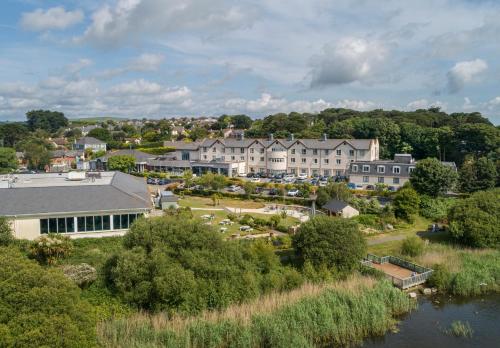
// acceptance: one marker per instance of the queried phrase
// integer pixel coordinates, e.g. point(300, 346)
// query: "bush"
point(406, 202)
point(6, 236)
point(475, 221)
point(433, 178)
point(334, 242)
point(82, 274)
point(40, 307)
point(412, 246)
point(50, 248)
point(435, 209)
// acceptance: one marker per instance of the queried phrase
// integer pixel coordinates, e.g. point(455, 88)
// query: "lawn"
point(235, 228)
point(206, 202)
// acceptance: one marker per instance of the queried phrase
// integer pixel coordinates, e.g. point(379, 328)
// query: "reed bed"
point(312, 315)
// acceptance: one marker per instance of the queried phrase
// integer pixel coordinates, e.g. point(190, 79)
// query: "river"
point(425, 327)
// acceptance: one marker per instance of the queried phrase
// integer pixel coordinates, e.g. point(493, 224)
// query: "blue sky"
point(162, 58)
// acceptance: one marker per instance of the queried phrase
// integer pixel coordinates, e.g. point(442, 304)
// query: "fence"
point(421, 276)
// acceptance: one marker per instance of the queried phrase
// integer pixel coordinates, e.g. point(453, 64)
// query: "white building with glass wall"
point(83, 205)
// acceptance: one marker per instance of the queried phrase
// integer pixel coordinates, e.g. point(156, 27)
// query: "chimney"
point(324, 137)
point(271, 136)
point(292, 137)
point(242, 135)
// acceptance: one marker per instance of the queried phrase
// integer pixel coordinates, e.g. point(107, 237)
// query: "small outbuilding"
point(168, 200)
point(340, 208)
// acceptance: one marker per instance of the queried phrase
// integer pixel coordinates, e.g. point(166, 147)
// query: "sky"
point(165, 58)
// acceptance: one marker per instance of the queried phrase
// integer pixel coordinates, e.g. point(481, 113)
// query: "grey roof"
point(182, 145)
point(124, 192)
point(167, 162)
point(89, 140)
point(65, 153)
point(138, 155)
point(335, 205)
point(389, 165)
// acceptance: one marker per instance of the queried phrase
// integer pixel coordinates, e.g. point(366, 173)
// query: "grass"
point(94, 251)
point(234, 228)
point(206, 202)
point(460, 329)
point(340, 313)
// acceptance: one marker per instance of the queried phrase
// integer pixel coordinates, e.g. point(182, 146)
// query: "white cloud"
point(269, 104)
point(465, 72)
point(130, 19)
point(424, 104)
point(146, 62)
point(349, 60)
point(79, 65)
point(54, 18)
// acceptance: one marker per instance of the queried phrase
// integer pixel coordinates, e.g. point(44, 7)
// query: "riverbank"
point(343, 313)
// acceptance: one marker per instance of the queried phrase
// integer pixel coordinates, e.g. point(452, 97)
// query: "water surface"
point(425, 327)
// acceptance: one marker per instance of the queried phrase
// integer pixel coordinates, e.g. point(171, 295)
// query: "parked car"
point(246, 228)
point(370, 187)
point(351, 185)
point(152, 181)
point(255, 180)
point(392, 188)
point(302, 176)
point(293, 193)
point(234, 188)
point(323, 183)
point(273, 192)
point(301, 180)
point(164, 181)
point(251, 175)
point(288, 176)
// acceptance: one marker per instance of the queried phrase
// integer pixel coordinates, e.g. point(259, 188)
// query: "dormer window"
point(396, 170)
point(366, 168)
point(354, 167)
point(380, 169)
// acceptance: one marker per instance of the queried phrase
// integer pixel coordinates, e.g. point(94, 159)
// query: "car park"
point(293, 193)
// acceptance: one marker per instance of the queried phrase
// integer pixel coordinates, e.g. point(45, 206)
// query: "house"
point(86, 129)
point(76, 204)
point(310, 157)
point(178, 130)
point(65, 160)
point(394, 173)
point(59, 142)
point(91, 143)
point(168, 200)
point(340, 208)
point(136, 141)
point(141, 159)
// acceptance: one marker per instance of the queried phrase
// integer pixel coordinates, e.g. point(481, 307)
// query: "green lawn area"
point(234, 228)
point(206, 202)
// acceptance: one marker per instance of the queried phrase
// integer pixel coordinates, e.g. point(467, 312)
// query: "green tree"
point(122, 163)
point(8, 160)
point(36, 154)
point(334, 242)
point(41, 307)
point(406, 203)
point(432, 177)
point(49, 121)
point(334, 190)
point(198, 133)
point(475, 221)
point(412, 246)
point(12, 133)
point(100, 133)
point(477, 174)
point(187, 176)
point(241, 121)
point(6, 235)
point(249, 187)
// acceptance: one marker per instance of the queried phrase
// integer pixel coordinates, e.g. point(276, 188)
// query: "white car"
point(302, 176)
point(234, 188)
point(246, 228)
point(255, 180)
point(323, 183)
point(293, 193)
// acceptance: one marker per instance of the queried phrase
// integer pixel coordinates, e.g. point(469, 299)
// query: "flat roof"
point(46, 194)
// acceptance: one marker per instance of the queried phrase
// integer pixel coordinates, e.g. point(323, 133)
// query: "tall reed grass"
point(312, 315)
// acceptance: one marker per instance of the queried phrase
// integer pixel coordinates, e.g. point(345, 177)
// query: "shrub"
point(82, 274)
point(232, 216)
point(412, 246)
point(433, 178)
point(50, 248)
point(6, 236)
point(406, 202)
point(334, 242)
point(435, 209)
point(40, 307)
point(475, 221)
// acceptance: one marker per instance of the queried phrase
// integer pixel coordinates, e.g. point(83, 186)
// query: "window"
point(315, 161)
point(304, 151)
point(396, 170)
point(242, 158)
point(67, 224)
point(315, 152)
point(366, 168)
point(106, 222)
point(251, 150)
point(223, 150)
point(351, 153)
point(252, 158)
point(205, 157)
point(124, 220)
point(362, 153)
point(303, 160)
point(395, 180)
point(214, 149)
point(303, 171)
point(232, 158)
point(380, 180)
point(338, 173)
point(242, 150)
point(204, 149)
point(292, 159)
point(326, 160)
point(315, 172)
point(44, 226)
point(365, 179)
point(213, 157)
point(411, 169)
point(70, 224)
point(338, 161)
point(81, 223)
point(262, 150)
point(98, 223)
point(326, 172)
point(339, 152)
point(262, 159)
point(223, 158)
point(380, 169)
point(327, 152)
point(293, 151)
point(185, 156)
point(354, 167)
point(89, 223)
point(116, 222)
point(61, 224)
point(232, 150)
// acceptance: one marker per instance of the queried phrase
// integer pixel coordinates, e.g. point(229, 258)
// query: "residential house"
point(91, 143)
point(339, 208)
